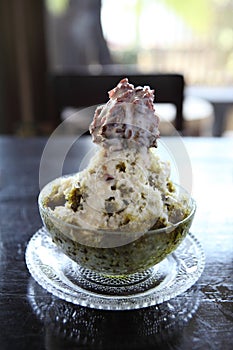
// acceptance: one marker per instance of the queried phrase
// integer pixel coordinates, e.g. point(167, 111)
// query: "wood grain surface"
point(31, 318)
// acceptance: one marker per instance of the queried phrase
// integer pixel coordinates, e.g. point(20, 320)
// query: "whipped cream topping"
point(128, 119)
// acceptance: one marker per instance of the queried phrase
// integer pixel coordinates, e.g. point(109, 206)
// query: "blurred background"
point(42, 39)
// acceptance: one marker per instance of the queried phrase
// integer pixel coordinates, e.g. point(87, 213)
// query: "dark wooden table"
point(31, 318)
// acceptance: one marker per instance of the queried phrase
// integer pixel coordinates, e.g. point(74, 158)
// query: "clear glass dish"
point(114, 253)
point(112, 269)
point(64, 278)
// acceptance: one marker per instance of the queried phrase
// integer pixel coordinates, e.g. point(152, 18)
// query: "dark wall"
point(23, 93)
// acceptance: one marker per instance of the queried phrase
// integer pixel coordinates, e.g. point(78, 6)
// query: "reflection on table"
point(150, 326)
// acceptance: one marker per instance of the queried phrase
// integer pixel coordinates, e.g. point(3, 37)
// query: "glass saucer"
point(92, 328)
point(59, 275)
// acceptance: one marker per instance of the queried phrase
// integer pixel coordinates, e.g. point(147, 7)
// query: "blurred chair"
point(76, 91)
point(198, 117)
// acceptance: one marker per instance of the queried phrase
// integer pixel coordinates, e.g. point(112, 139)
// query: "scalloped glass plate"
point(62, 277)
point(92, 328)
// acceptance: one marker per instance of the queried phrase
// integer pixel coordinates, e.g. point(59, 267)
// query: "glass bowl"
point(114, 253)
point(114, 270)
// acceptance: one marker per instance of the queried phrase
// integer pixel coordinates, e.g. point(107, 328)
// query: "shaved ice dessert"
point(122, 213)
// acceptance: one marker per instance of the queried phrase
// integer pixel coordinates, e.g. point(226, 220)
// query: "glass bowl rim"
point(48, 213)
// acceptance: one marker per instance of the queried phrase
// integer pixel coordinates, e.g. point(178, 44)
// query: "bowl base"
point(59, 275)
point(121, 285)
